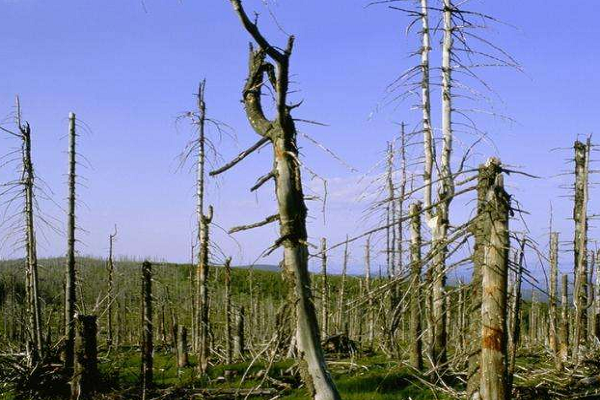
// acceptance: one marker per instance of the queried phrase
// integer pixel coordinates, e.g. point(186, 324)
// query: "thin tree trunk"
point(342, 319)
point(85, 376)
point(515, 324)
point(563, 331)
point(324, 291)
point(553, 317)
point(147, 328)
point(370, 303)
point(70, 290)
point(445, 193)
point(228, 327)
point(110, 295)
point(416, 358)
point(34, 343)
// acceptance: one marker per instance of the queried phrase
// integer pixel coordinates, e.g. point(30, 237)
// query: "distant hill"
point(262, 267)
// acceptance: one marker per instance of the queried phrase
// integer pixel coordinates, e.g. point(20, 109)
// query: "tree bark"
point(494, 279)
point(85, 375)
point(416, 358)
point(324, 291)
point(228, 327)
point(290, 198)
point(147, 328)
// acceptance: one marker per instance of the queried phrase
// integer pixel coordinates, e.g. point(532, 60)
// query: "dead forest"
point(445, 303)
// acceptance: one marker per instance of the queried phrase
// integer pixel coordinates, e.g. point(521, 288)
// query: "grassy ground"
point(370, 378)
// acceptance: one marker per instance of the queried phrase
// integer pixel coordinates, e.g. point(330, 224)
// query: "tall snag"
point(580, 297)
point(281, 132)
point(70, 293)
point(34, 343)
point(110, 267)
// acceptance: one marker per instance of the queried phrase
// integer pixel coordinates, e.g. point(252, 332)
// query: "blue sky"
point(129, 69)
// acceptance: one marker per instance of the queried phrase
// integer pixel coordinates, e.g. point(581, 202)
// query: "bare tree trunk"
point(445, 193)
point(70, 290)
point(110, 295)
point(494, 220)
point(281, 132)
point(147, 328)
point(563, 331)
point(580, 245)
point(228, 328)
point(239, 343)
point(370, 303)
point(428, 143)
point(324, 291)
point(416, 358)
point(515, 332)
point(342, 318)
point(34, 343)
point(553, 317)
point(182, 347)
point(85, 376)
point(488, 174)
point(597, 299)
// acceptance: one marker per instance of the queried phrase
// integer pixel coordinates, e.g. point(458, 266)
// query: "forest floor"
point(373, 377)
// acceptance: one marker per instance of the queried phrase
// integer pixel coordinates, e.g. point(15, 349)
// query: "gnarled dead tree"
point(281, 133)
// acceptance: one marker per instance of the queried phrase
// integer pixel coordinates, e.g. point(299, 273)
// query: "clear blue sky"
point(128, 69)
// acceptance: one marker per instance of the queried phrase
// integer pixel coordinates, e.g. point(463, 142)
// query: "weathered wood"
point(563, 332)
point(85, 372)
point(494, 288)
point(580, 246)
point(290, 198)
point(239, 345)
point(416, 358)
point(182, 347)
point(228, 327)
point(553, 317)
point(324, 291)
point(147, 328)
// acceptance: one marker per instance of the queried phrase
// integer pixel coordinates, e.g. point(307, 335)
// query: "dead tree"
point(597, 299)
point(370, 302)
point(85, 372)
point(239, 344)
point(342, 318)
point(33, 332)
point(416, 358)
point(324, 291)
point(70, 283)
point(445, 194)
point(147, 328)
point(515, 322)
point(494, 247)
point(487, 178)
point(110, 267)
point(228, 328)
point(580, 245)
point(563, 332)
point(281, 133)
point(553, 317)
point(182, 347)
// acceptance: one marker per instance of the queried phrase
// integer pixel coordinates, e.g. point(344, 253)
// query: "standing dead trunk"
point(281, 132)
point(416, 358)
point(580, 245)
point(445, 192)
point(182, 347)
point(563, 332)
point(85, 374)
point(33, 325)
point(342, 318)
point(228, 327)
point(488, 174)
point(110, 266)
point(515, 323)
point(147, 328)
point(370, 303)
point(495, 245)
point(324, 291)
point(597, 299)
point(239, 346)
point(70, 292)
point(553, 317)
